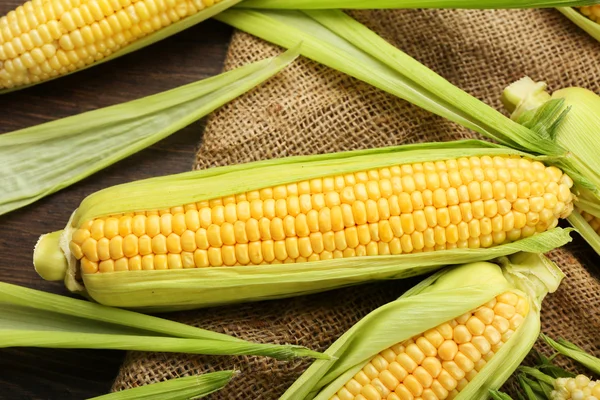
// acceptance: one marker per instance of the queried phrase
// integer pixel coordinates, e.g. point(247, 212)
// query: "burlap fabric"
point(310, 109)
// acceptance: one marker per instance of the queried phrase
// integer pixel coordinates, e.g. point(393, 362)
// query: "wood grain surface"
point(186, 57)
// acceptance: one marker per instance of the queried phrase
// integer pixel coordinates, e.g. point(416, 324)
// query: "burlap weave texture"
point(310, 109)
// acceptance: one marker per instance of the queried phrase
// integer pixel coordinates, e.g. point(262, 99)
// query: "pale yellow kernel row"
point(440, 362)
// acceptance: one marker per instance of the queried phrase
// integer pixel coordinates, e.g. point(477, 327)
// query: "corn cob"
point(463, 357)
point(440, 362)
point(592, 12)
point(43, 39)
point(579, 388)
point(429, 204)
point(461, 203)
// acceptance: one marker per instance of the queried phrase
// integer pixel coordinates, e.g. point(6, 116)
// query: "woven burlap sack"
point(310, 109)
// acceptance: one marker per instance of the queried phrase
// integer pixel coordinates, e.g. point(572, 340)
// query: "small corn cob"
point(292, 226)
point(476, 202)
point(442, 361)
point(579, 388)
point(592, 12)
point(46, 38)
point(404, 350)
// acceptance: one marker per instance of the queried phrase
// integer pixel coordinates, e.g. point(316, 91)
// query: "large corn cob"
point(46, 38)
point(396, 354)
point(459, 203)
point(372, 210)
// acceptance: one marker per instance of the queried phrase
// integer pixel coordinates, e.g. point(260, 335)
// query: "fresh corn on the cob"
point(459, 203)
point(43, 39)
point(395, 354)
point(378, 208)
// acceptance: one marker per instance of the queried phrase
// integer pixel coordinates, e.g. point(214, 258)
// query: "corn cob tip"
point(48, 259)
point(524, 95)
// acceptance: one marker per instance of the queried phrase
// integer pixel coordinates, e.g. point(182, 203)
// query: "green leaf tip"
point(574, 352)
point(48, 259)
point(189, 387)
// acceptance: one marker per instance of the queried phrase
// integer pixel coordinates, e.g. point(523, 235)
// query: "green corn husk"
point(30, 318)
point(201, 287)
point(152, 38)
point(378, 4)
point(574, 352)
point(497, 395)
point(335, 39)
point(438, 299)
point(189, 387)
point(591, 27)
point(577, 132)
point(73, 148)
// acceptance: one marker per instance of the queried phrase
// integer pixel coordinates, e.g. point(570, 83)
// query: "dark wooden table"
point(189, 56)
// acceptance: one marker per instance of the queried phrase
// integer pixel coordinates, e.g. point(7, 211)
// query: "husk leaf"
point(585, 230)
point(574, 352)
point(379, 4)
point(591, 27)
point(73, 148)
point(438, 299)
point(152, 38)
point(335, 39)
point(189, 387)
point(30, 318)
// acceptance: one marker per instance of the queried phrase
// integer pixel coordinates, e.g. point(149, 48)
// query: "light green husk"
point(152, 38)
point(574, 352)
point(438, 299)
point(70, 149)
point(578, 132)
point(30, 318)
point(201, 287)
point(335, 39)
point(591, 27)
point(189, 387)
point(378, 4)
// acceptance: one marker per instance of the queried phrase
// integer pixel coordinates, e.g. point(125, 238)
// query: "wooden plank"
point(186, 57)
